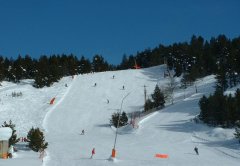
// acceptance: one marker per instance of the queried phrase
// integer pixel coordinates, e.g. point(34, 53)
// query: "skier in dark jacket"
point(196, 150)
point(83, 132)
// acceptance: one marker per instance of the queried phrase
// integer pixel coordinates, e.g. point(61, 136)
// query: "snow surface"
point(80, 106)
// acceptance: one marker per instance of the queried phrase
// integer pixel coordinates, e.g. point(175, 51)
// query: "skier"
point(113, 76)
point(95, 84)
point(93, 152)
point(123, 87)
point(82, 132)
point(196, 150)
point(107, 101)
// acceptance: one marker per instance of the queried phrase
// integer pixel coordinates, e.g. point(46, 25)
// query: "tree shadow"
point(154, 73)
point(103, 125)
point(185, 126)
point(26, 82)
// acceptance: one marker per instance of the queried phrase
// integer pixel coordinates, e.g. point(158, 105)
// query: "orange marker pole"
point(113, 153)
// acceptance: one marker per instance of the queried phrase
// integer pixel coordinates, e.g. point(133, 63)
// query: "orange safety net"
point(52, 101)
point(161, 156)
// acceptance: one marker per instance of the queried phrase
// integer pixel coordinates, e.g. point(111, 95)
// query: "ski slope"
point(82, 105)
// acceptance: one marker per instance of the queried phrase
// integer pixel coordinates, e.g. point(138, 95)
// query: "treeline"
point(220, 110)
point(49, 69)
point(194, 59)
point(198, 58)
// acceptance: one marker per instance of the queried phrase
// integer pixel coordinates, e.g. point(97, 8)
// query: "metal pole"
point(145, 94)
point(117, 126)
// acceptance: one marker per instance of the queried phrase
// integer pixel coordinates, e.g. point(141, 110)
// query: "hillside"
point(81, 105)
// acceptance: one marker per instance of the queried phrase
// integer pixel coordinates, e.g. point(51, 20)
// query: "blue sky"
point(110, 28)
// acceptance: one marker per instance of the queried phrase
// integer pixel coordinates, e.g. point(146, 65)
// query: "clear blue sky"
point(110, 27)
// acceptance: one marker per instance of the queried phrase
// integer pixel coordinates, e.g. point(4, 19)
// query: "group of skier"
point(95, 84)
point(83, 131)
point(93, 150)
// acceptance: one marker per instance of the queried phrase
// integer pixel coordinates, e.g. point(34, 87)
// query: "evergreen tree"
point(84, 66)
point(203, 103)
point(98, 64)
point(168, 91)
point(42, 72)
point(131, 61)
point(237, 104)
point(124, 119)
point(237, 131)
point(13, 139)
point(124, 64)
point(36, 140)
point(219, 107)
point(2, 74)
point(148, 105)
point(72, 64)
point(117, 121)
point(158, 97)
point(187, 79)
point(231, 112)
point(222, 83)
point(221, 110)
point(29, 66)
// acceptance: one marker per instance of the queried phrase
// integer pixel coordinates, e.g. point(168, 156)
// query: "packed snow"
point(83, 106)
point(5, 133)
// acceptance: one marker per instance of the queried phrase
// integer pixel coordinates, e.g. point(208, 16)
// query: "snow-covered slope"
point(81, 105)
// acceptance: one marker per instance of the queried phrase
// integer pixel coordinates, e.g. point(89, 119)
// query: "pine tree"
point(168, 91)
point(29, 67)
point(124, 119)
point(98, 64)
point(217, 108)
point(117, 121)
point(237, 104)
point(2, 74)
point(222, 83)
point(148, 105)
point(231, 117)
point(158, 97)
point(237, 131)
point(124, 63)
point(72, 64)
point(203, 103)
point(36, 140)
point(84, 66)
point(43, 74)
point(13, 139)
